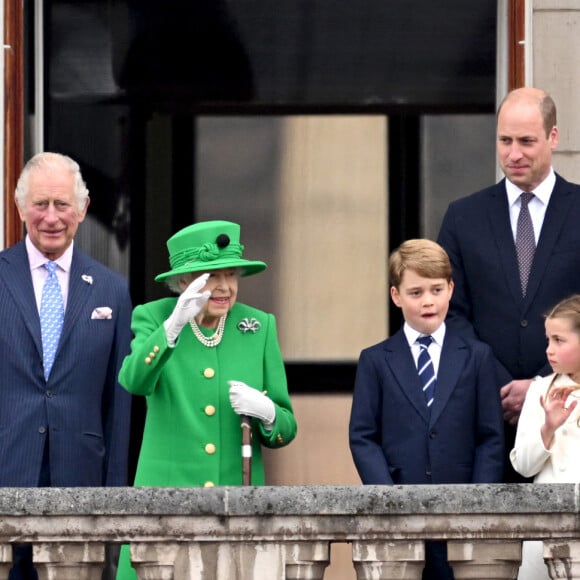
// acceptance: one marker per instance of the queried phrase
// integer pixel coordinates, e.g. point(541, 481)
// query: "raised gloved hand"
point(189, 305)
point(248, 401)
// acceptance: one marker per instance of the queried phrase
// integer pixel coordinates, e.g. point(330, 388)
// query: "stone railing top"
point(294, 500)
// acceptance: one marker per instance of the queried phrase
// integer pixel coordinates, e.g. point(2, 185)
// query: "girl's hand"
point(556, 410)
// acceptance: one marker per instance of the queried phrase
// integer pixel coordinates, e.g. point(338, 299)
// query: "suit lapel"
point(18, 281)
point(453, 358)
point(558, 208)
point(499, 219)
point(400, 360)
point(79, 291)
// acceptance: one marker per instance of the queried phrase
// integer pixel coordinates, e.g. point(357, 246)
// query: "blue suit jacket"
point(487, 300)
point(395, 439)
point(81, 406)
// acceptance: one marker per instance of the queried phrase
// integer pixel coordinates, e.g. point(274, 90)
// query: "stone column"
point(554, 65)
point(562, 558)
point(69, 561)
point(486, 560)
point(306, 560)
point(5, 559)
point(388, 560)
point(154, 560)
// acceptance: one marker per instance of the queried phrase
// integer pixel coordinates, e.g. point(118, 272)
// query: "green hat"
point(208, 246)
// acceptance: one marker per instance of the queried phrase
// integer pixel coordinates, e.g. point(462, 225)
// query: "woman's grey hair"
point(45, 161)
point(173, 283)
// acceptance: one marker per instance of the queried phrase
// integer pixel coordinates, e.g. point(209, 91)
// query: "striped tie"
point(426, 369)
point(51, 317)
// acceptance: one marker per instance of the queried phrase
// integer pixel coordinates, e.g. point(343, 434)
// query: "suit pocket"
point(94, 444)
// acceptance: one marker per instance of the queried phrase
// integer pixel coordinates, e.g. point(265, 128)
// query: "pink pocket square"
point(102, 313)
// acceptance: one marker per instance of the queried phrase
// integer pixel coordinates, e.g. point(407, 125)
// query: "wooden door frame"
point(516, 43)
point(13, 114)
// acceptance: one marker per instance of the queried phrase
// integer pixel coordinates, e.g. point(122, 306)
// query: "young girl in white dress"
point(547, 444)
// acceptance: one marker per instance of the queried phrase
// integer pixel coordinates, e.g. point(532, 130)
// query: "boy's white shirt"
point(435, 347)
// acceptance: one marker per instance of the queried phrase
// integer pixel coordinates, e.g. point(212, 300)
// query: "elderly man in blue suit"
point(64, 419)
point(501, 293)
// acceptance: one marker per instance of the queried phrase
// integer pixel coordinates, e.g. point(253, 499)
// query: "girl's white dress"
point(559, 464)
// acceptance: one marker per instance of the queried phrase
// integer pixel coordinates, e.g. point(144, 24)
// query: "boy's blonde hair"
point(425, 257)
point(568, 308)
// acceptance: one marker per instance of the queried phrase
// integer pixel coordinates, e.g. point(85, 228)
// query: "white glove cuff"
point(270, 414)
point(171, 336)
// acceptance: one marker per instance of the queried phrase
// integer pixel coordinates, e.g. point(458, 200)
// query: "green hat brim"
point(248, 268)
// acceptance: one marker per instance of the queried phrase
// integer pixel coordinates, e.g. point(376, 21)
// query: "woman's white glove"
point(248, 401)
point(189, 305)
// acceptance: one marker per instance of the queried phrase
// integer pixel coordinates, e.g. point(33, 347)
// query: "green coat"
point(192, 437)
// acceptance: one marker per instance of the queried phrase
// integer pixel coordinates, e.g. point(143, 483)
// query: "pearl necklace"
point(215, 338)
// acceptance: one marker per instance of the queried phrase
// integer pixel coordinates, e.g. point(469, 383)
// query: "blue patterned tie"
point(51, 317)
point(426, 369)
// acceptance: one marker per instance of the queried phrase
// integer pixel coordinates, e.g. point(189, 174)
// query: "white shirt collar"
point(412, 335)
point(37, 259)
point(543, 192)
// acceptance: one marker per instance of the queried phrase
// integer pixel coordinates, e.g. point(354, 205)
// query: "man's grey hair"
point(45, 161)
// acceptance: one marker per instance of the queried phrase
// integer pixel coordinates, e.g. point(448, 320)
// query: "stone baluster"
point(5, 559)
point(154, 560)
point(69, 560)
point(388, 560)
point(563, 558)
point(485, 559)
point(306, 560)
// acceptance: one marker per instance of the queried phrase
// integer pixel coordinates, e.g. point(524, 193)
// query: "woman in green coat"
point(201, 359)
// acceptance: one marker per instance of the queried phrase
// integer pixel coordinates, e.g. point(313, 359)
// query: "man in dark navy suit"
point(479, 233)
point(63, 422)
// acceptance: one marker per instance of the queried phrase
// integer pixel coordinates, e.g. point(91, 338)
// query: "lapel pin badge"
point(88, 279)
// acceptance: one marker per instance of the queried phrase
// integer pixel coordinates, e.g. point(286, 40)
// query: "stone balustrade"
point(276, 533)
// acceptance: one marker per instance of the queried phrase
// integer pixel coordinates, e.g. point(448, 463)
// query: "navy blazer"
point(396, 439)
point(82, 407)
point(487, 301)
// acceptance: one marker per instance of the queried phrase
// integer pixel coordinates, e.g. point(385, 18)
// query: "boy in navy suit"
point(426, 414)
